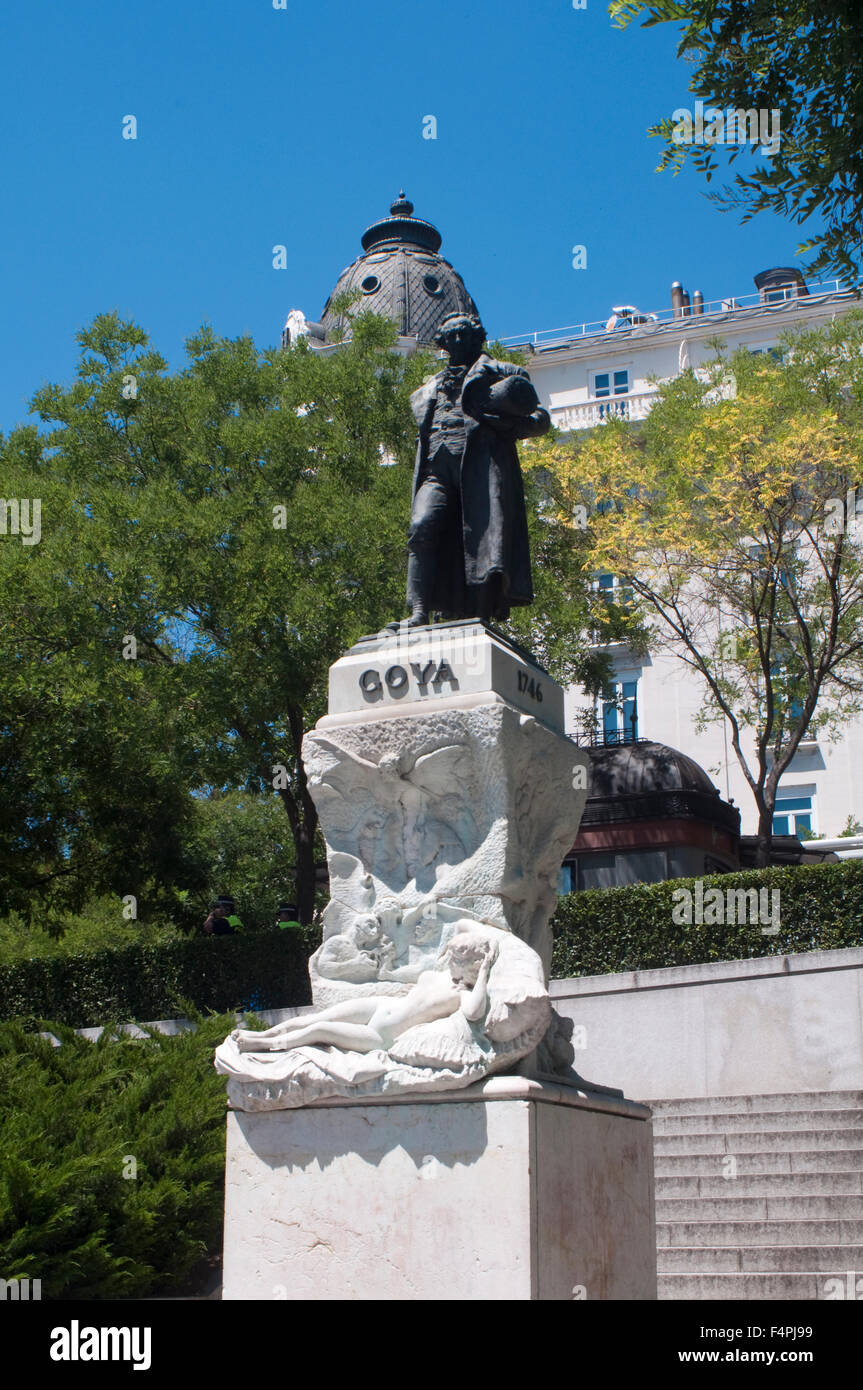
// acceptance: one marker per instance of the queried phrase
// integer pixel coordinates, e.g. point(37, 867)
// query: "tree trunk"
point(304, 841)
point(765, 832)
point(303, 816)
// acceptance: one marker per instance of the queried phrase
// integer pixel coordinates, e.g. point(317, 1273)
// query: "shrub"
point(265, 970)
point(632, 928)
point(98, 926)
point(111, 1160)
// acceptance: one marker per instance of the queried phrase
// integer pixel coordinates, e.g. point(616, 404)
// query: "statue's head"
point(465, 953)
point(388, 912)
point(461, 336)
point(427, 929)
point(366, 930)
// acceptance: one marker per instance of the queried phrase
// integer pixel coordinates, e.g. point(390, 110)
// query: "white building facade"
point(586, 372)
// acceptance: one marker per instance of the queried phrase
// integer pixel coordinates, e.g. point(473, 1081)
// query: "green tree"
point(212, 541)
point(111, 1160)
point(804, 59)
point(94, 759)
point(232, 526)
point(852, 828)
point(244, 845)
point(731, 521)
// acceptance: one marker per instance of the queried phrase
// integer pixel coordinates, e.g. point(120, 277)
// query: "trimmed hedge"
point(611, 929)
point(266, 970)
point(595, 933)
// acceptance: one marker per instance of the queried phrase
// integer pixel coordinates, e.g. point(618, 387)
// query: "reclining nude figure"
point(376, 1021)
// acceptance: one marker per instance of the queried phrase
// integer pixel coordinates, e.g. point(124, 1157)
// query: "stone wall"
point(768, 1025)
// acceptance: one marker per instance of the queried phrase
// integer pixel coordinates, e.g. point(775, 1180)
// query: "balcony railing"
point(587, 414)
point(619, 730)
point(607, 738)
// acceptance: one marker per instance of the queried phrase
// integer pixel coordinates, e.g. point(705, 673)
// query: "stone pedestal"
point(385, 1148)
point(409, 671)
point(442, 772)
point(511, 1189)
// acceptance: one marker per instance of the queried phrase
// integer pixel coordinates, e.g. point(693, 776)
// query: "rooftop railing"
point(716, 308)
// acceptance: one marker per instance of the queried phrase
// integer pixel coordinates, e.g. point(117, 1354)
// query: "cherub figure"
point(356, 954)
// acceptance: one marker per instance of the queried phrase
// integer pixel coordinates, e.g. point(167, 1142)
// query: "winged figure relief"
point(405, 815)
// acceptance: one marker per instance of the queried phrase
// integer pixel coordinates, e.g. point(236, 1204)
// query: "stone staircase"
point(760, 1197)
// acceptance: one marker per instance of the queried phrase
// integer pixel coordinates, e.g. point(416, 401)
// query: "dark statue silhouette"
point(468, 546)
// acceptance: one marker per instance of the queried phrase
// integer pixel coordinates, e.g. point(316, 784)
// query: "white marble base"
point(512, 1189)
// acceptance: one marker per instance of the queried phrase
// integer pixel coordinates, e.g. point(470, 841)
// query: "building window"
point(616, 595)
point(793, 814)
point(774, 352)
point(617, 869)
point(617, 712)
point(610, 383)
point(608, 586)
point(566, 879)
point(788, 688)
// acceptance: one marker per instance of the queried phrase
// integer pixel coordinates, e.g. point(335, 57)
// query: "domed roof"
point(401, 277)
point(632, 769)
point(646, 781)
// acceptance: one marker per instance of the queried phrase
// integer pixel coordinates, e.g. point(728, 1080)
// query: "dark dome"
point(647, 781)
point(631, 769)
point(402, 277)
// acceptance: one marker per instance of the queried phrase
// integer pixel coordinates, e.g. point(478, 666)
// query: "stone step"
point(758, 1259)
point(737, 1234)
point(825, 1160)
point(753, 1141)
point(742, 1105)
point(784, 1221)
point(842, 1184)
point(761, 1121)
point(734, 1207)
point(786, 1288)
point(750, 1164)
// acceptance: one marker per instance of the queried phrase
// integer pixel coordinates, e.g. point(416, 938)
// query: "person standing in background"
point(223, 920)
point(286, 916)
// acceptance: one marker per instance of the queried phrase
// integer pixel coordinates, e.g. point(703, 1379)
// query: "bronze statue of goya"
point(468, 547)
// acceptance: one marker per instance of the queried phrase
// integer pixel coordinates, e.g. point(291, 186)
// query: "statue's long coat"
point(491, 537)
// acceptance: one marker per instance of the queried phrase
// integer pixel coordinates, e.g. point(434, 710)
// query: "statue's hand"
point(503, 425)
point(528, 426)
point(491, 952)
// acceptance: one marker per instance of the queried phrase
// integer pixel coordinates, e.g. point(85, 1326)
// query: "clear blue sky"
point(259, 126)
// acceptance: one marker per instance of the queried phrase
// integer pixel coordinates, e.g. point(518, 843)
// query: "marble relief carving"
point(445, 833)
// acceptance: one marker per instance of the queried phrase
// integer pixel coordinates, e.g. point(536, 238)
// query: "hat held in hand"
point(514, 395)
